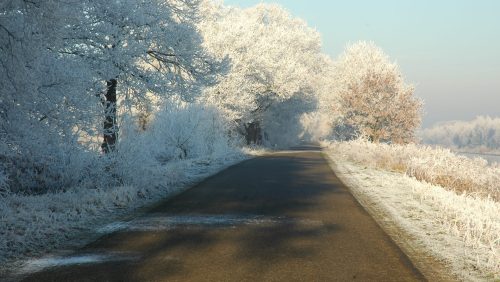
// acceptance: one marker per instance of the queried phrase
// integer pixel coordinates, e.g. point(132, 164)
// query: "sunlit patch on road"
point(159, 222)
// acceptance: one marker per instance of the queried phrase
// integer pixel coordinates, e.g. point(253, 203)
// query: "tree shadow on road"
point(289, 192)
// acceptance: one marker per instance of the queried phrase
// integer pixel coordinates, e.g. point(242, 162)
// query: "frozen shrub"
point(178, 132)
point(39, 160)
point(190, 131)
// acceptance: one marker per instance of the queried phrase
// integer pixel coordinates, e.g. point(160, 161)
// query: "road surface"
point(281, 217)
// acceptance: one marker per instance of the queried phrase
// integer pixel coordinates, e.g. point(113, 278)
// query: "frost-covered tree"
point(139, 47)
point(273, 57)
point(319, 124)
point(43, 100)
point(60, 65)
point(373, 97)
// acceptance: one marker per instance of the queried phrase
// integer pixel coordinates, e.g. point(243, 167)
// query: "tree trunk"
point(110, 126)
point(253, 133)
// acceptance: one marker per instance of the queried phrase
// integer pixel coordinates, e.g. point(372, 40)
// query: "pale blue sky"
point(449, 49)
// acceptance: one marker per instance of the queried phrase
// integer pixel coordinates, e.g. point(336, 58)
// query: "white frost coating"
point(113, 227)
point(438, 166)
point(462, 230)
point(37, 265)
point(296, 152)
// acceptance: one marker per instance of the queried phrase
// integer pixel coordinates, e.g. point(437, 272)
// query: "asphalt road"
point(281, 217)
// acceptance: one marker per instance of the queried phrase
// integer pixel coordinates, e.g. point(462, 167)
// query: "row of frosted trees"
point(90, 87)
point(481, 133)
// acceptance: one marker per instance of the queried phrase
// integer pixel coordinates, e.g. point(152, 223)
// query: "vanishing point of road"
point(281, 217)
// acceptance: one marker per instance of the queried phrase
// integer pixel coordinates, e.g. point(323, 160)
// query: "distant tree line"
point(483, 132)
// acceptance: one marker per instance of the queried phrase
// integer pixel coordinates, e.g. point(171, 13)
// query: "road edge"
point(428, 265)
point(84, 238)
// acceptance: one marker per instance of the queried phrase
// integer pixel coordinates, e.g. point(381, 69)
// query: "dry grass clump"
point(437, 166)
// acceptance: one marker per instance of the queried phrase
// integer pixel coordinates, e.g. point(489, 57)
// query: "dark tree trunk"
point(110, 126)
point(253, 133)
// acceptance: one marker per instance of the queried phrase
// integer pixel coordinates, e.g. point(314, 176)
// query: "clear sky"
point(450, 50)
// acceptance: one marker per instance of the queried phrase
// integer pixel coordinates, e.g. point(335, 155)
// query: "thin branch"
point(9, 32)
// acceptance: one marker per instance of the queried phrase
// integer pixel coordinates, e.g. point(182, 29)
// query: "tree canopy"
point(72, 73)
